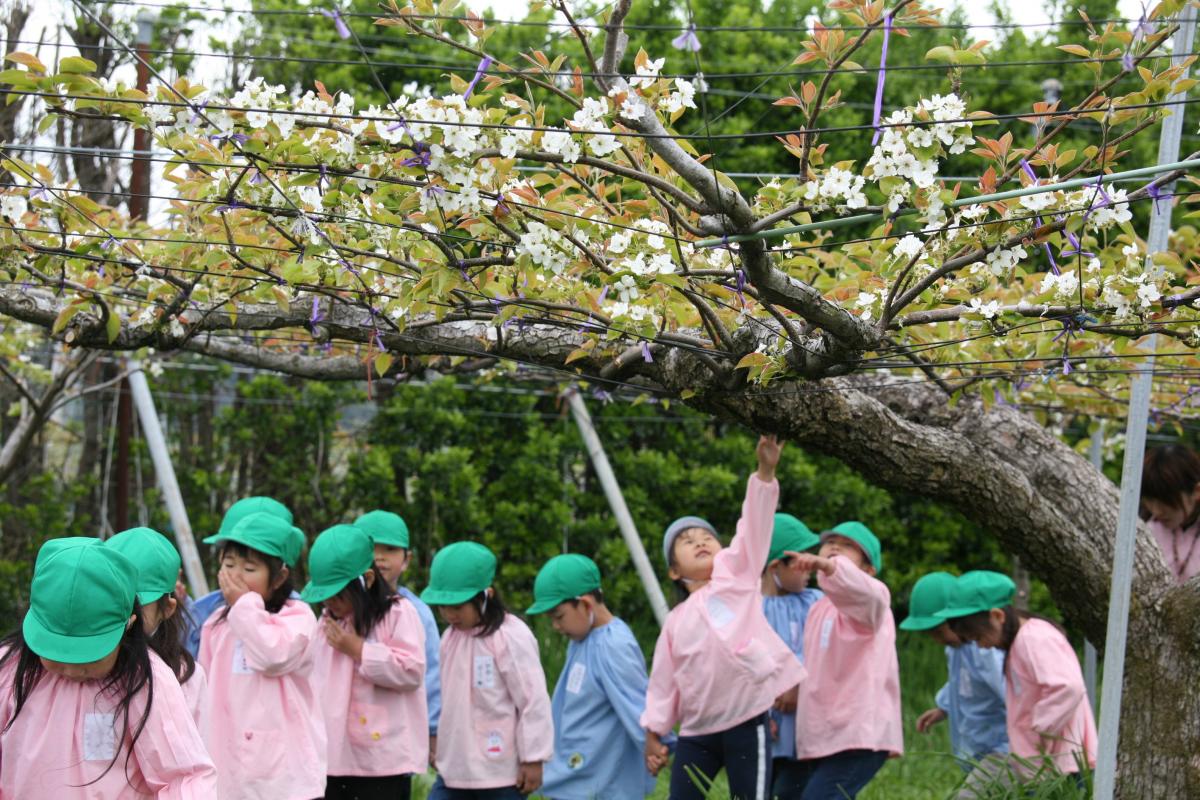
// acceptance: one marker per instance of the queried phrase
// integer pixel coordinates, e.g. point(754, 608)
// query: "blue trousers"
point(441, 791)
point(840, 776)
point(743, 750)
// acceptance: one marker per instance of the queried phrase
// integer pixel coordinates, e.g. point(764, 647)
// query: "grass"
point(927, 771)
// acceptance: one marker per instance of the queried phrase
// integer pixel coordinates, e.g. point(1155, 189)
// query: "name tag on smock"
point(485, 672)
point(99, 737)
point(240, 667)
point(718, 612)
point(575, 678)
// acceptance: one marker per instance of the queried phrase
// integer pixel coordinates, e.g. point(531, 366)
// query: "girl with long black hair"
point(158, 566)
point(369, 666)
point(86, 708)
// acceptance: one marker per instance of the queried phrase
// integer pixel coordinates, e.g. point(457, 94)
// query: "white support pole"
point(1089, 649)
point(166, 480)
point(1135, 448)
point(616, 500)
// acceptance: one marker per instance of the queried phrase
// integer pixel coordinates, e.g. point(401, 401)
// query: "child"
point(600, 693)
point(973, 697)
point(495, 735)
point(848, 713)
point(268, 738)
point(158, 567)
point(369, 667)
point(1050, 721)
point(202, 608)
point(1171, 498)
point(786, 603)
point(87, 710)
point(718, 666)
point(389, 533)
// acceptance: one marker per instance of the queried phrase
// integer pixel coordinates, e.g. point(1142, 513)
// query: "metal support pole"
point(616, 500)
point(1089, 649)
point(1135, 448)
point(139, 203)
point(163, 468)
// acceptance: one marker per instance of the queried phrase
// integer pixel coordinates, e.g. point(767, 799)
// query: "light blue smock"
point(787, 614)
point(433, 642)
point(198, 612)
point(597, 705)
point(973, 700)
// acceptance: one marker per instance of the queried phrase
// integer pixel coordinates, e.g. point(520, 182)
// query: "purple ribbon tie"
point(484, 63)
point(342, 29)
point(687, 40)
point(887, 35)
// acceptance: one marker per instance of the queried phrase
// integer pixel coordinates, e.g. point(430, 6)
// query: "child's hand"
point(433, 752)
point(807, 562)
point(232, 584)
point(529, 777)
point(343, 639)
point(769, 449)
point(656, 752)
point(786, 702)
point(932, 717)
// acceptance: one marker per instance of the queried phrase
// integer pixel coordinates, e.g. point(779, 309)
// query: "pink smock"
point(851, 700)
point(1048, 708)
point(195, 692)
point(1180, 547)
point(376, 720)
point(66, 736)
point(268, 737)
point(495, 708)
point(718, 662)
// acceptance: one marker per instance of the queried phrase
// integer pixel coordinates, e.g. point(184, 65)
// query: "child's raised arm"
point(274, 644)
point(397, 661)
point(746, 555)
point(864, 600)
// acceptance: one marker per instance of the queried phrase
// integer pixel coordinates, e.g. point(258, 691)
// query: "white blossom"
point(647, 73)
point(13, 207)
point(908, 248)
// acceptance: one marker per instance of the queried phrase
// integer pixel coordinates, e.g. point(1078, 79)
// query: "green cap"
point(790, 534)
point(156, 559)
point(977, 591)
point(252, 505)
point(563, 578)
point(930, 595)
point(384, 527)
point(861, 535)
point(80, 600)
point(338, 556)
point(459, 572)
point(266, 533)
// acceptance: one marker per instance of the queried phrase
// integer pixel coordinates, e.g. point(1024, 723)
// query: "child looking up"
point(848, 712)
point(786, 603)
point(718, 667)
point(495, 731)
point(389, 534)
point(158, 566)
point(369, 665)
point(87, 710)
point(1050, 722)
point(268, 737)
point(600, 694)
point(973, 697)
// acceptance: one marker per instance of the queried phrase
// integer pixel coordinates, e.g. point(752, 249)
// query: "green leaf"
point(967, 57)
point(47, 122)
point(943, 53)
point(64, 317)
point(112, 325)
point(27, 60)
point(75, 65)
point(754, 359)
point(383, 363)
